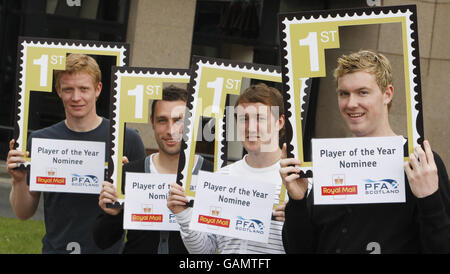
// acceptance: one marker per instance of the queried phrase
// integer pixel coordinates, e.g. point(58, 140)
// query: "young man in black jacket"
point(421, 225)
point(167, 122)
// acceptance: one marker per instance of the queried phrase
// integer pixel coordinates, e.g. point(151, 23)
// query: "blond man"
point(422, 224)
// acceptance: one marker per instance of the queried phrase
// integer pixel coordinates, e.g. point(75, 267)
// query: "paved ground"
point(5, 187)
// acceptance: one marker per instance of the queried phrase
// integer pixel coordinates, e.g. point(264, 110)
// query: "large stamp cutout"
point(307, 37)
point(133, 88)
point(38, 58)
point(212, 82)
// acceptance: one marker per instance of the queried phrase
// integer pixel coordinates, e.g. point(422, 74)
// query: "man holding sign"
point(260, 119)
point(167, 122)
point(422, 224)
point(69, 216)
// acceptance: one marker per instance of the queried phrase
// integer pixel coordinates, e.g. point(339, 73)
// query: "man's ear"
point(281, 121)
point(98, 90)
point(58, 91)
point(388, 94)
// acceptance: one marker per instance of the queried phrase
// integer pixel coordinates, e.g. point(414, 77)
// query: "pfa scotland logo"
point(383, 186)
point(84, 180)
point(249, 225)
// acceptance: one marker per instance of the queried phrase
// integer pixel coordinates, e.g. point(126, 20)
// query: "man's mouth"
point(355, 115)
point(253, 138)
point(170, 141)
point(77, 106)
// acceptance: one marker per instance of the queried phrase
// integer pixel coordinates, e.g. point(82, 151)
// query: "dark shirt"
point(417, 226)
point(69, 216)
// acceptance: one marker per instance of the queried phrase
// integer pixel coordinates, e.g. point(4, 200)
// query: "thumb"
point(283, 151)
point(11, 144)
point(125, 160)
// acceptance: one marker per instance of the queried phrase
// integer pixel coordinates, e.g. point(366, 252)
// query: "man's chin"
point(171, 151)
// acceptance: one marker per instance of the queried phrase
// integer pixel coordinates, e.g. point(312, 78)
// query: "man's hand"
point(297, 187)
point(108, 195)
point(177, 200)
point(279, 212)
point(421, 171)
point(14, 158)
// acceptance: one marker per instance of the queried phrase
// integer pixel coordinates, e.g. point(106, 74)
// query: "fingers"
point(413, 161)
point(422, 172)
point(283, 151)
point(289, 162)
point(177, 195)
point(408, 169)
point(14, 159)
point(125, 160)
point(428, 152)
point(11, 144)
point(108, 193)
point(285, 171)
point(279, 212)
point(421, 157)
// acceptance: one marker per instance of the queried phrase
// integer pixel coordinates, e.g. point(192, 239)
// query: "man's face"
point(78, 94)
point(168, 125)
point(258, 127)
point(363, 105)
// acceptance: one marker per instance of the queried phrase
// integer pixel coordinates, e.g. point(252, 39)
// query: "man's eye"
point(342, 93)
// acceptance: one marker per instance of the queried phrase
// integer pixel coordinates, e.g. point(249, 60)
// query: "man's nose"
point(76, 95)
point(252, 124)
point(352, 101)
point(175, 128)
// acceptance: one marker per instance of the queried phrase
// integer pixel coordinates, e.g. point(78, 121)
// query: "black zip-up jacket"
point(417, 226)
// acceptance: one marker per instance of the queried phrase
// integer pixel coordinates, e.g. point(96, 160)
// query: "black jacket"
point(108, 229)
point(417, 226)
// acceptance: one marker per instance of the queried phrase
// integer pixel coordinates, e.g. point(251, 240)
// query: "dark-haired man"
point(166, 118)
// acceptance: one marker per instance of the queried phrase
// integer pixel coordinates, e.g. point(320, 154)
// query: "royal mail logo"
point(383, 186)
point(147, 208)
point(338, 180)
point(51, 171)
point(249, 225)
point(147, 218)
point(214, 221)
point(339, 190)
point(50, 181)
point(215, 211)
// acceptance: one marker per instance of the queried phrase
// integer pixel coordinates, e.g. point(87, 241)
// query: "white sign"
point(358, 170)
point(67, 166)
point(233, 206)
point(145, 205)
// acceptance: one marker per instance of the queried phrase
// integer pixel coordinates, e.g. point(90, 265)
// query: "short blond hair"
point(77, 63)
point(368, 61)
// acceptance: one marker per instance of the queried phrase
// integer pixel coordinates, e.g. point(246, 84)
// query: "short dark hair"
point(170, 93)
